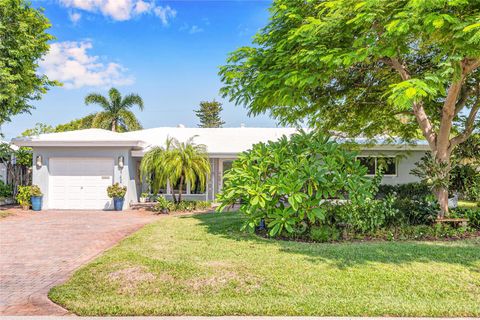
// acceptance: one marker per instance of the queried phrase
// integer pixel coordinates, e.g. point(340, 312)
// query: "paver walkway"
point(41, 250)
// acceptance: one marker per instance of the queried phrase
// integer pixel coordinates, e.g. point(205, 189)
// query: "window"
point(388, 165)
point(373, 164)
point(368, 162)
point(227, 165)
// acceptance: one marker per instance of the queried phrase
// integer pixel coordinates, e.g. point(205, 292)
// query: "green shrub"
point(163, 205)
point(473, 216)
point(414, 190)
point(366, 217)
point(203, 205)
point(6, 190)
point(416, 211)
point(24, 196)
point(285, 182)
point(472, 193)
point(415, 203)
point(465, 179)
point(116, 190)
point(35, 191)
point(324, 234)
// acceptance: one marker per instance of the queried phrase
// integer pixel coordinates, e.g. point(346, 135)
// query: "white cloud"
point(143, 7)
point(70, 63)
point(195, 29)
point(122, 10)
point(74, 17)
point(191, 29)
point(165, 13)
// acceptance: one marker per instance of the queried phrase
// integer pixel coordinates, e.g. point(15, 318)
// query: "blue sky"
point(166, 51)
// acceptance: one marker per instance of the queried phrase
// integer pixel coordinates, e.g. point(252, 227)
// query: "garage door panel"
point(80, 183)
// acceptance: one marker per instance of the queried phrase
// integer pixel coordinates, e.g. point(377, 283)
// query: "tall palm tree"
point(179, 163)
point(116, 115)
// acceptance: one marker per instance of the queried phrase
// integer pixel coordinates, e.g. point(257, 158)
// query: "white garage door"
point(80, 183)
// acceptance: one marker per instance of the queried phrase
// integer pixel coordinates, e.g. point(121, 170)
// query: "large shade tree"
point(177, 164)
point(116, 114)
point(23, 42)
point(407, 68)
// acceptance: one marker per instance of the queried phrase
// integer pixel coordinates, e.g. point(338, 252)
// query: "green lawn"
point(202, 265)
point(467, 204)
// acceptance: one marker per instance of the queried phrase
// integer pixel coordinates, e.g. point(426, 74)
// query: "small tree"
point(116, 115)
point(24, 41)
point(209, 114)
point(178, 163)
point(285, 182)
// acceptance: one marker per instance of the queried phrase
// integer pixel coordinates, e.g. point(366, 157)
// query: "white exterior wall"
point(405, 163)
point(128, 175)
point(125, 176)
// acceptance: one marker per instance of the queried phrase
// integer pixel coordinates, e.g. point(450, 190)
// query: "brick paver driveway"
point(41, 250)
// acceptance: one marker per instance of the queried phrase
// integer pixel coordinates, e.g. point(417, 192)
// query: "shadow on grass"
point(349, 254)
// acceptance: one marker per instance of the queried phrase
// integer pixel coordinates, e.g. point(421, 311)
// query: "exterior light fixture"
point(38, 161)
point(121, 162)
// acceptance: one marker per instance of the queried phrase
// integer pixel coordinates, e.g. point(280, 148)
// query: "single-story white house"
point(73, 169)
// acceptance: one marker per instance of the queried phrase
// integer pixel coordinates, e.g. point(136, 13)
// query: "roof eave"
point(32, 143)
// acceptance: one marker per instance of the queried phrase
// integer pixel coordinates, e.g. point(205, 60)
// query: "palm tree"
point(179, 163)
point(116, 115)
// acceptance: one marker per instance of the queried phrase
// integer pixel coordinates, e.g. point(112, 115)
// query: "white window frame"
point(376, 165)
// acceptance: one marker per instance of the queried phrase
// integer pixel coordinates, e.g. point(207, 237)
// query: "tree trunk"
point(114, 125)
point(180, 190)
point(443, 157)
point(442, 197)
point(173, 193)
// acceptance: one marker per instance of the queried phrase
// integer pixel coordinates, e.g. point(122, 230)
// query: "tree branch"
point(469, 124)
point(418, 110)
point(400, 67)
point(470, 64)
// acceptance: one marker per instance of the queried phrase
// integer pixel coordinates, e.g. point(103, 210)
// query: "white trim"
point(21, 143)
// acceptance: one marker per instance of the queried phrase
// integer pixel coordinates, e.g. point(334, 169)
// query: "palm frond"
point(96, 98)
point(129, 121)
point(115, 99)
point(131, 100)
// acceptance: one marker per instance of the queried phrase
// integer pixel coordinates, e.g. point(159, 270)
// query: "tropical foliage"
point(404, 68)
point(177, 164)
point(24, 41)
point(166, 206)
point(116, 190)
point(77, 124)
point(24, 196)
point(19, 171)
point(286, 183)
point(116, 115)
point(209, 114)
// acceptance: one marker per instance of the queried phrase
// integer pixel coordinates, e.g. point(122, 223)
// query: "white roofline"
point(107, 143)
point(386, 147)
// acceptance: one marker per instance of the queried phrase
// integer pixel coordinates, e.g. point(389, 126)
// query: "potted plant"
point(117, 193)
point(36, 196)
point(24, 197)
point(143, 197)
